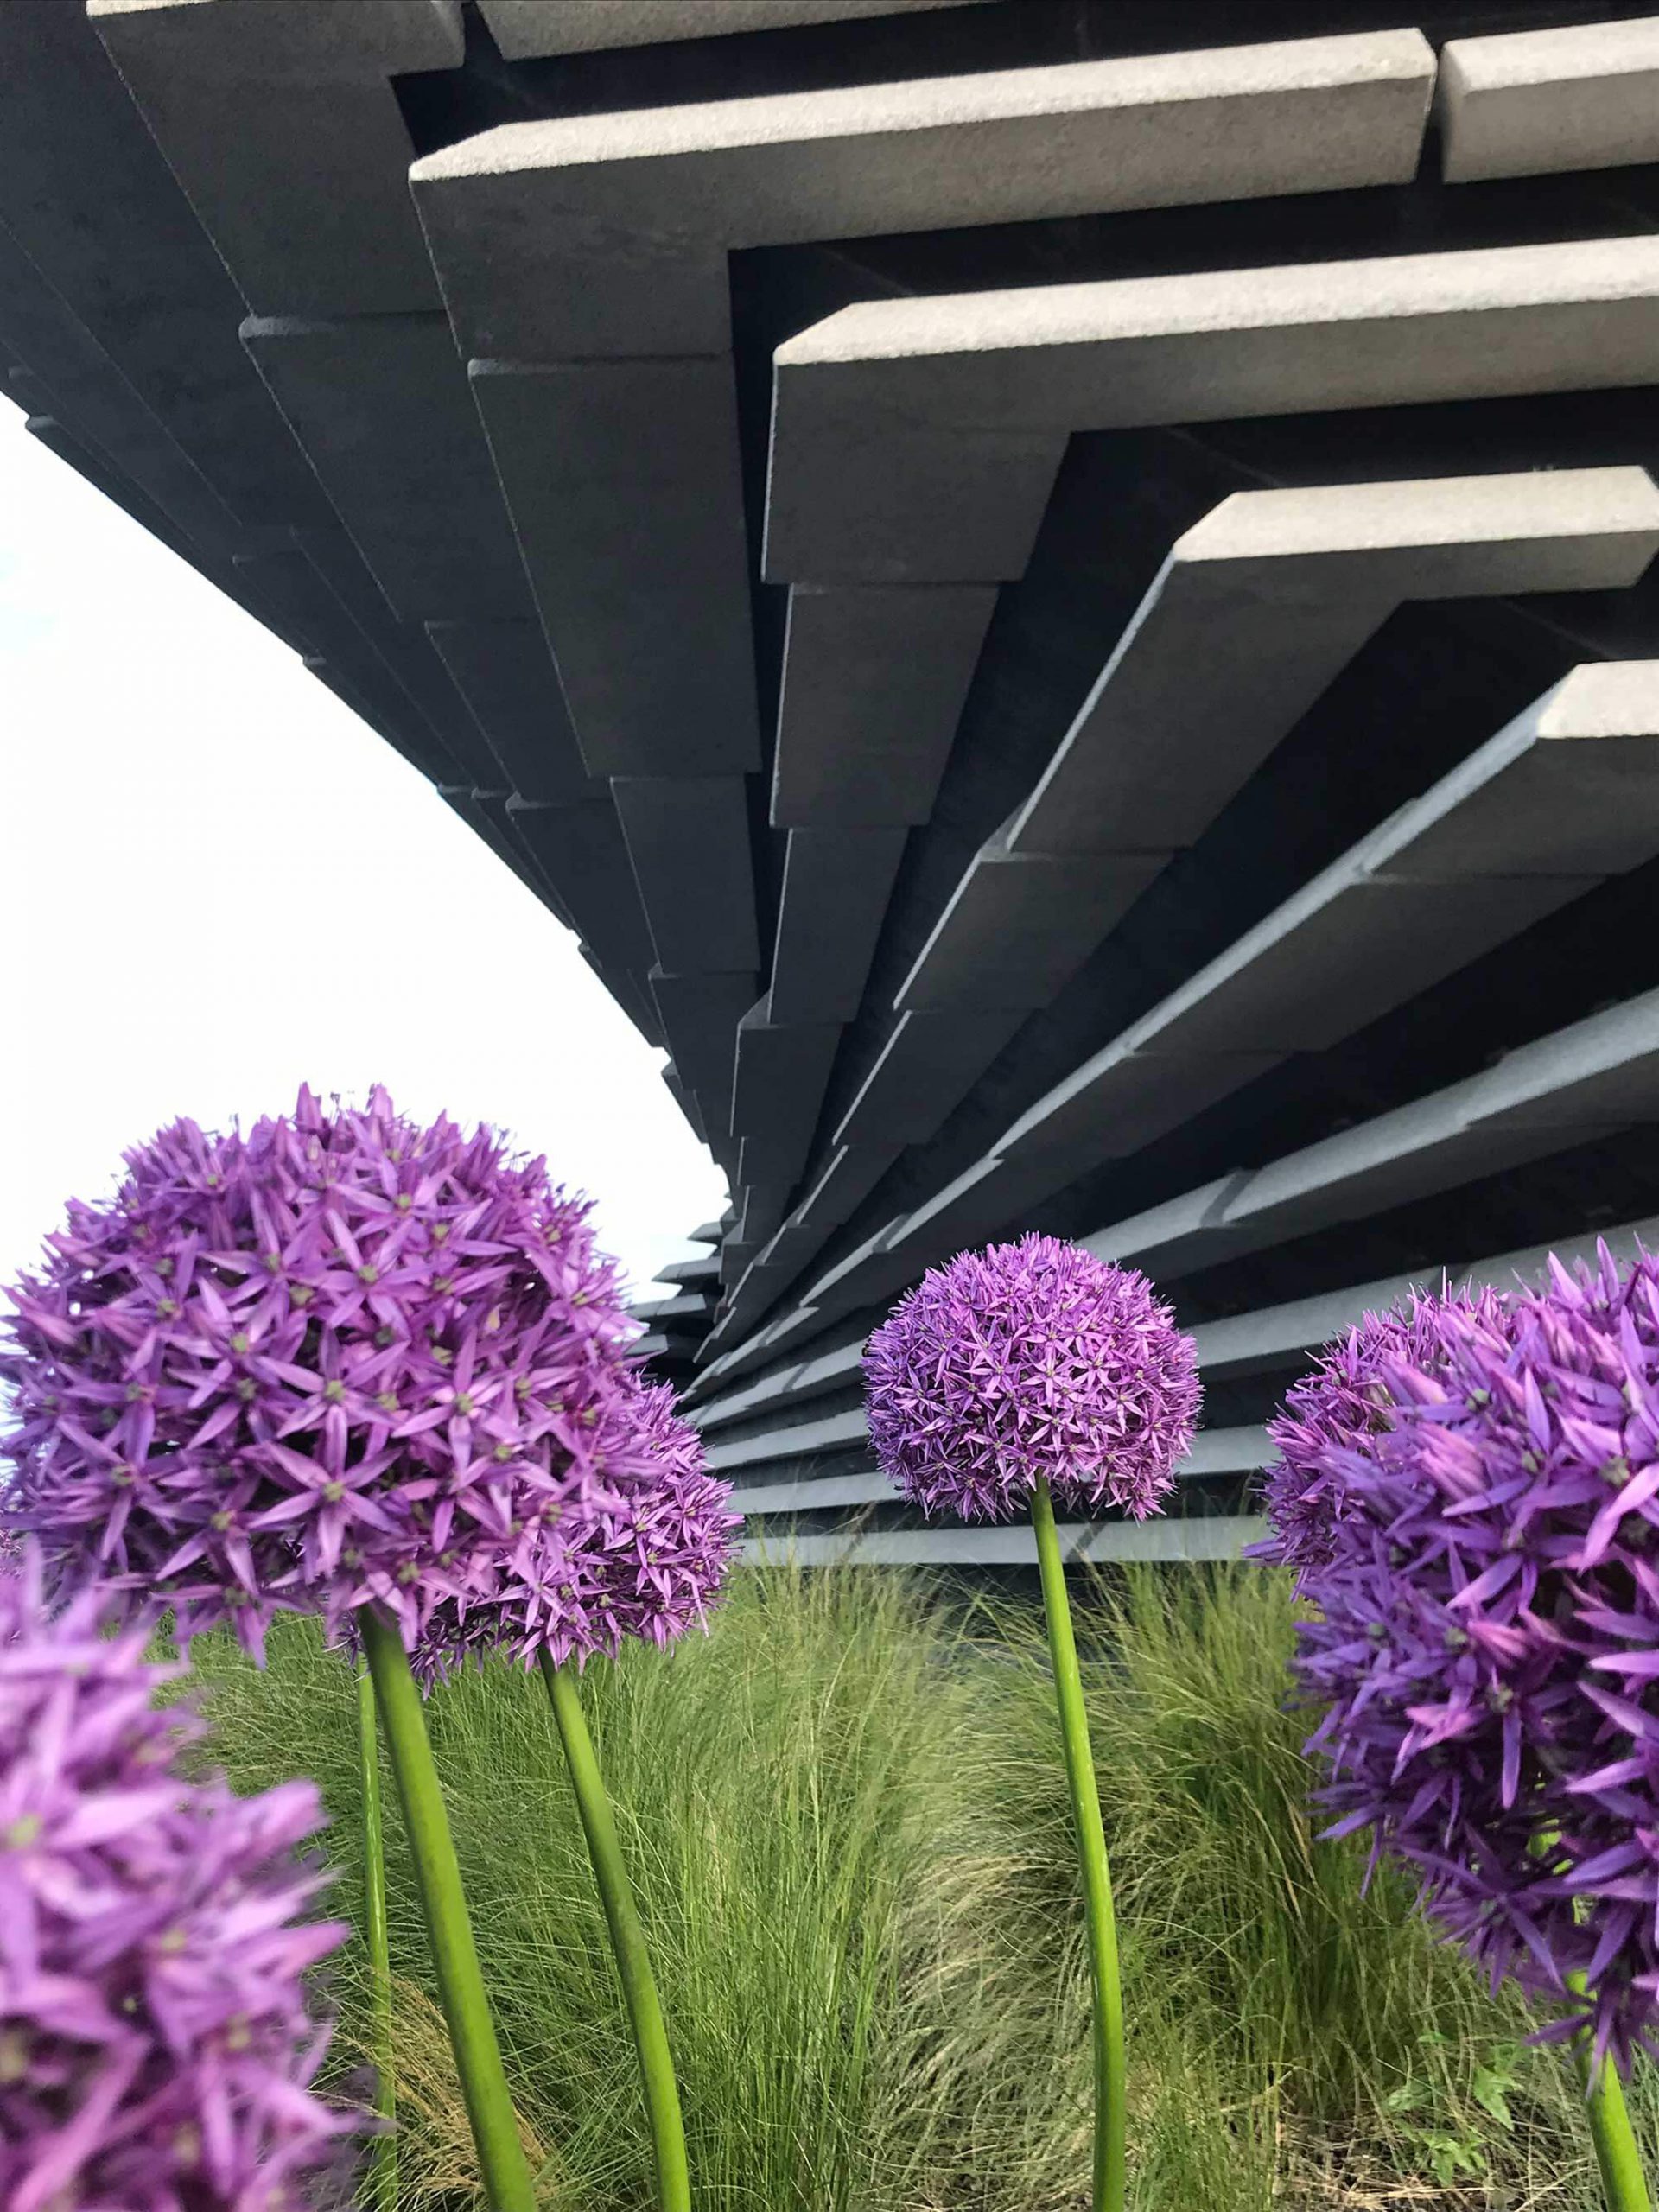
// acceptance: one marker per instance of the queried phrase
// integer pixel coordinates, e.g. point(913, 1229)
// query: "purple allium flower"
point(1343, 1403)
point(1486, 1640)
point(155, 2048)
point(1025, 1360)
point(648, 1561)
point(344, 1358)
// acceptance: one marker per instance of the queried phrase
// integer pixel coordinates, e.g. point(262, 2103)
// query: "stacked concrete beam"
point(528, 29)
point(777, 1471)
point(584, 264)
point(121, 323)
point(465, 431)
point(1565, 795)
point(282, 124)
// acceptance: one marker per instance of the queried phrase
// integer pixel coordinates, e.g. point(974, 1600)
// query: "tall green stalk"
point(1111, 2068)
point(502, 2164)
point(628, 1940)
point(383, 2157)
point(1622, 2180)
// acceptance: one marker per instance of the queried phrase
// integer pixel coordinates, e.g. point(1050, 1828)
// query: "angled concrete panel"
point(1020, 923)
point(526, 29)
point(1261, 604)
point(835, 1432)
point(584, 264)
point(506, 674)
point(874, 685)
point(1205, 1536)
point(1215, 1451)
point(279, 118)
point(1585, 96)
point(700, 1014)
point(688, 840)
point(836, 884)
point(380, 405)
point(808, 1378)
point(581, 847)
point(1280, 1335)
point(927, 1063)
point(1573, 785)
point(623, 479)
point(781, 1068)
point(914, 441)
point(89, 198)
point(528, 221)
point(1566, 1089)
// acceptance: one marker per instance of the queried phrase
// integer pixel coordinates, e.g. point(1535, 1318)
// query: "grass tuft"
point(845, 1814)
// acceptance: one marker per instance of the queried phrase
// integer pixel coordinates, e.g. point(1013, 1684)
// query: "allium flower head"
point(1485, 1640)
point(1026, 1360)
point(155, 2048)
point(1344, 1401)
point(649, 1560)
point(343, 1358)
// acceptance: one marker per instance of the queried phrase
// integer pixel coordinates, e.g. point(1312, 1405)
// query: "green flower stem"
point(1111, 2069)
point(502, 2166)
point(1620, 2162)
point(384, 2170)
point(628, 1940)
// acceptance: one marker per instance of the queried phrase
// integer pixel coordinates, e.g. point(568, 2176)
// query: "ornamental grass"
point(353, 1366)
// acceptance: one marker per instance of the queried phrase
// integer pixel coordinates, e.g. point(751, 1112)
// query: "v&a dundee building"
point(1061, 592)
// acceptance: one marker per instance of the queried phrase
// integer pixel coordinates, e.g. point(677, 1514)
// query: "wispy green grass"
point(846, 1816)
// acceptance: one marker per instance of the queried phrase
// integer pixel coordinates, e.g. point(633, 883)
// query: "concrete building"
point(1072, 623)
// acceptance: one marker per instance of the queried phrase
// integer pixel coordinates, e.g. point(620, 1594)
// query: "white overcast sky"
point(219, 883)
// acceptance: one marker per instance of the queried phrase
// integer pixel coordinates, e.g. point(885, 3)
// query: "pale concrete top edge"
point(935, 103)
point(1425, 510)
point(1554, 56)
point(1379, 288)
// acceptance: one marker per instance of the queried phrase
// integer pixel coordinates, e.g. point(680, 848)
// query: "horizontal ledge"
point(1203, 1538)
point(1215, 1451)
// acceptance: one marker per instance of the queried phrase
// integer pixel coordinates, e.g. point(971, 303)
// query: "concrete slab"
point(700, 1014)
point(1584, 97)
point(926, 1065)
point(621, 479)
point(581, 847)
point(380, 405)
point(803, 1378)
point(91, 397)
point(916, 440)
point(874, 685)
point(89, 198)
point(1279, 1336)
point(526, 29)
point(1215, 1451)
point(1019, 925)
point(526, 221)
point(851, 1173)
point(1280, 589)
point(836, 889)
point(1167, 1537)
point(835, 1432)
point(689, 840)
point(1446, 879)
point(782, 1068)
point(506, 674)
point(280, 122)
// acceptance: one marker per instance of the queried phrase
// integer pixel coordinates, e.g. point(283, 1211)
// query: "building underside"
point(1071, 624)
